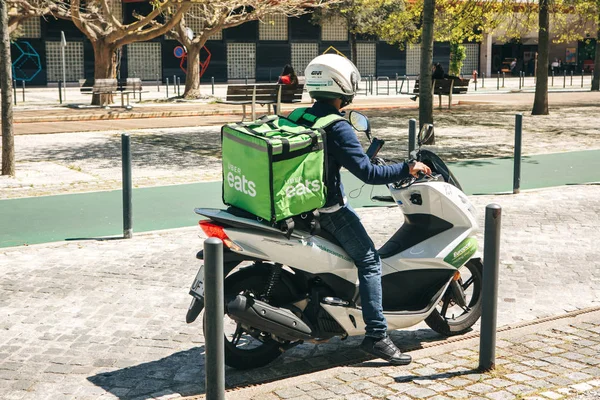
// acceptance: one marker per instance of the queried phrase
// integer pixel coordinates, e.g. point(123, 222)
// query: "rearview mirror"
point(359, 121)
point(425, 133)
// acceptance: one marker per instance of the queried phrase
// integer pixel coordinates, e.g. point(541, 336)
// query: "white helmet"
point(330, 76)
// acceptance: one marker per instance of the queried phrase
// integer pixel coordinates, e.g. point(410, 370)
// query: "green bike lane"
point(99, 214)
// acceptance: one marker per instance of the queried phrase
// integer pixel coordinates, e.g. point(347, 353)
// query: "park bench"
point(111, 86)
point(446, 87)
point(263, 94)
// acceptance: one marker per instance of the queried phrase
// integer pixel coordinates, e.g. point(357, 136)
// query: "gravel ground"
point(90, 161)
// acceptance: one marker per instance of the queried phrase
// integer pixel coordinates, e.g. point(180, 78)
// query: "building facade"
point(256, 51)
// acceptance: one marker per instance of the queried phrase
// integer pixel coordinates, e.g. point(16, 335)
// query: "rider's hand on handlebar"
point(416, 167)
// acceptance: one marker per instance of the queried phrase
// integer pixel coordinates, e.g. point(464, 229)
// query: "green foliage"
point(458, 54)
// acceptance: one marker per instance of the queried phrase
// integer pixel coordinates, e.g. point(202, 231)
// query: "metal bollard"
point(15, 91)
point(23, 86)
point(498, 81)
point(127, 203)
point(491, 258)
point(60, 91)
point(212, 84)
point(553, 78)
point(564, 79)
point(174, 84)
point(412, 135)
point(483, 80)
point(167, 87)
point(157, 83)
point(503, 76)
point(517, 159)
point(520, 81)
point(214, 309)
point(246, 80)
point(582, 71)
point(571, 77)
point(178, 88)
point(407, 84)
point(523, 79)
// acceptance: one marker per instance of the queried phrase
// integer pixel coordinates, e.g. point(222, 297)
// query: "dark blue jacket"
point(344, 150)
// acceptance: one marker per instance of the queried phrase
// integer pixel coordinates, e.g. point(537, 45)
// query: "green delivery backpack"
point(275, 167)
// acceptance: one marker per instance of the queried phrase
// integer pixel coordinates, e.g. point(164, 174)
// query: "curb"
point(125, 115)
point(426, 350)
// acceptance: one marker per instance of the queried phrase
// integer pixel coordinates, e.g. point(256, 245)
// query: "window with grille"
point(335, 30)
point(30, 28)
point(471, 62)
point(302, 54)
point(366, 58)
point(413, 60)
point(194, 21)
point(144, 60)
point(116, 9)
point(273, 27)
point(241, 60)
point(73, 61)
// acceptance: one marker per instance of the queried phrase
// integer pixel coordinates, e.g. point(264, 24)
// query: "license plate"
point(198, 285)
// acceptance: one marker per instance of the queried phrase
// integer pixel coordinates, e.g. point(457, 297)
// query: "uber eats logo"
point(237, 181)
point(295, 187)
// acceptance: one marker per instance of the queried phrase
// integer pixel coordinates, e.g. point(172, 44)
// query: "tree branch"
point(110, 14)
point(140, 36)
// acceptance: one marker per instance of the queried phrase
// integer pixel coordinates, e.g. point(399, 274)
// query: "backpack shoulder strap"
point(302, 116)
point(327, 121)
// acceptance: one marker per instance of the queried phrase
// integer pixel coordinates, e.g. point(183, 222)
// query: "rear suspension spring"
point(273, 279)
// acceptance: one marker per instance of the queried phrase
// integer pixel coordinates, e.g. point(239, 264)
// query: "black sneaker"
point(385, 349)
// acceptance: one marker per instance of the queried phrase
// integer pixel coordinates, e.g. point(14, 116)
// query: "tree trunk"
point(192, 79)
point(425, 84)
point(596, 80)
point(540, 102)
point(353, 50)
point(8, 141)
point(105, 67)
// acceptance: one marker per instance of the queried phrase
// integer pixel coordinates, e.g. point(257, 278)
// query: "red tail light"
point(213, 230)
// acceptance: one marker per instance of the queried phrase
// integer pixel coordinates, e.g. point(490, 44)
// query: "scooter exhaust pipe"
point(278, 321)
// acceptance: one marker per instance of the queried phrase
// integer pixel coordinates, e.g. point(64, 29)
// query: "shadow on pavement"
point(183, 372)
point(433, 377)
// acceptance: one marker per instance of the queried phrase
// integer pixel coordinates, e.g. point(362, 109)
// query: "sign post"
point(63, 48)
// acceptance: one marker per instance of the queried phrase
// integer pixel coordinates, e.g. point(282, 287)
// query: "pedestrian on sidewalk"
point(288, 78)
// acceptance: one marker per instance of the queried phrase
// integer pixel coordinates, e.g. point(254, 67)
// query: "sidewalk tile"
point(480, 388)
point(320, 394)
point(520, 389)
point(341, 389)
point(552, 395)
point(582, 387)
point(289, 393)
point(501, 395)
point(420, 392)
point(459, 394)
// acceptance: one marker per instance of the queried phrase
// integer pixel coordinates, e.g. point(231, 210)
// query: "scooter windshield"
point(438, 166)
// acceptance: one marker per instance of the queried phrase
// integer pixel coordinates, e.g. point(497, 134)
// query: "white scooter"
point(305, 288)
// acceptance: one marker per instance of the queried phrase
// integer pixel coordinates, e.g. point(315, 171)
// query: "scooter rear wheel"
point(449, 318)
point(245, 348)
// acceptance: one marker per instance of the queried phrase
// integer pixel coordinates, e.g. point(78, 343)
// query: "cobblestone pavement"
point(92, 319)
point(550, 361)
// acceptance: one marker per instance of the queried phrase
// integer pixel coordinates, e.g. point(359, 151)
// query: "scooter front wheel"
point(449, 318)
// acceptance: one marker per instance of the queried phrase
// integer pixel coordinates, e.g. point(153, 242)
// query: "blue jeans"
point(345, 225)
